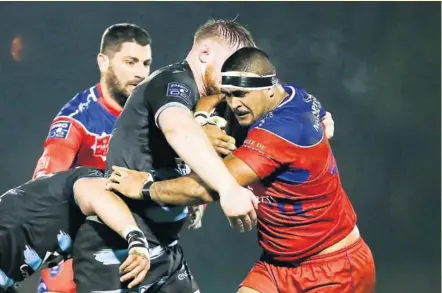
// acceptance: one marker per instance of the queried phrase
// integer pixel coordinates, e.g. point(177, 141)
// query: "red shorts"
point(58, 279)
point(349, 270)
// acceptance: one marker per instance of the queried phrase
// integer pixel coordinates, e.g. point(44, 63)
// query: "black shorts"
point(98, 252)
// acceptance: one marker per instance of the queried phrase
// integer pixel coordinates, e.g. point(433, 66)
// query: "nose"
point(141, 72)
point(233, 102)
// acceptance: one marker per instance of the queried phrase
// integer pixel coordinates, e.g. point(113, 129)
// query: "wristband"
point(201, 117)
point(201, 114)
point(135, 239)
point(146, 190)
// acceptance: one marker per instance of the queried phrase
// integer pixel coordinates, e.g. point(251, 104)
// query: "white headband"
point(239, 74)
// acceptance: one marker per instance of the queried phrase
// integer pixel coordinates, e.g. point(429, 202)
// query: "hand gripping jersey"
point(303, 207)
point(79, 135)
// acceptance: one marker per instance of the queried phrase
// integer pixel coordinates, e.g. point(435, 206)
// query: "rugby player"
point(156, 130)
point(306, 223)
point(39, 219)
point(225, 134)
point(79, 134)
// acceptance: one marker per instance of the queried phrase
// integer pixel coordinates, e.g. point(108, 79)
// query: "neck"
point(108, 95)
point(280, 95)
point(197, 74)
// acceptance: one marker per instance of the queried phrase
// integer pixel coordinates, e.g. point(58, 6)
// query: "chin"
point(244, 121)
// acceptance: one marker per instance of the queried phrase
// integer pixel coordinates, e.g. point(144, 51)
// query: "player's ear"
point(103, 62)
point(204, 53)
point(271, 92)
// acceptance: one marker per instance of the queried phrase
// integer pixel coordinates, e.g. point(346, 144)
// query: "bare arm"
point(187, 190)
point(190, 142)
point(171, 103)
point(190, 190)
point(93, 199)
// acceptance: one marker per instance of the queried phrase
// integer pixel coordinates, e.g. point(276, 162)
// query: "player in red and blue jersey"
point(306, 223)
point(79, 135)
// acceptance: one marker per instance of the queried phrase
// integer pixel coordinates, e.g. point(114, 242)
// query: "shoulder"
point(81, 105)
point(294, 121)
point(174, 73)
point(80, 112)
point(173, 81)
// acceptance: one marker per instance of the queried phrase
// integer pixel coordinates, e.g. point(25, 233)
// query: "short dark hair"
point(249, 59)
point(117, 34)
point(229, 30)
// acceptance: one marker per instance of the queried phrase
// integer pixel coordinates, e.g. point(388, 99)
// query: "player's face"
point(248, 106)
point(127, 68)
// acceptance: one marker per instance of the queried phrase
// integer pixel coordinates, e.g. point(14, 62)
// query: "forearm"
point(188, 190)
point(192, 145)
point(93, 199)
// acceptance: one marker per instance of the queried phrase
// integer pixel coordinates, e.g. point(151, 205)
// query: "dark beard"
point(116, 91)
point(120, 98)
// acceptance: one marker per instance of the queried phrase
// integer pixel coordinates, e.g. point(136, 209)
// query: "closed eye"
point(238, 94)
point(228, 94)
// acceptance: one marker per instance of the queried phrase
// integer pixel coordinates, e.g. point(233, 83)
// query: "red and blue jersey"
point(303, 207)
point(79, 135)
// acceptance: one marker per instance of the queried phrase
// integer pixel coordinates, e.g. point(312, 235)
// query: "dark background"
point(375, 66)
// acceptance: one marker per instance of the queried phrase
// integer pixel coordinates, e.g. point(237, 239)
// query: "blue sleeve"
point(306, 95)
point(322, 111)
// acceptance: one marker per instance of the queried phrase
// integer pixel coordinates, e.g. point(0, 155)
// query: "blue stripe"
point(281, 207)
point(294, 176)
point(297, 207)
